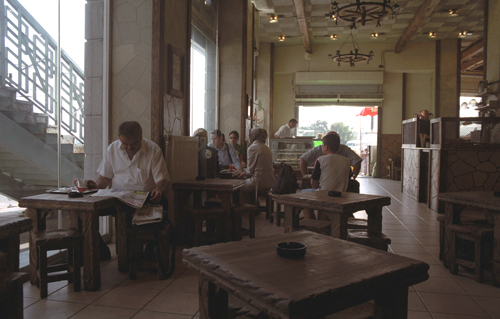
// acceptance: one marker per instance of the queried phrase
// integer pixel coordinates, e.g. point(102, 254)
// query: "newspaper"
point(148, 214)
point(132, 198)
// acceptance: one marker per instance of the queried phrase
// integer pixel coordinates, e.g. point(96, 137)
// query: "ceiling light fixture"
point(273, 18)
point(352, 57)
point(453, 12)
point(375, 35)
point(432, 34)
point(333, 37)
point(281, 38)
point(362, 12)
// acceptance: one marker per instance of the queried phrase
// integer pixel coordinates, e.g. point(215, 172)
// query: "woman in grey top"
point(260, 162)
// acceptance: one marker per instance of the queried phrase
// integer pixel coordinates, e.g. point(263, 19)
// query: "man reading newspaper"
point(133, 163)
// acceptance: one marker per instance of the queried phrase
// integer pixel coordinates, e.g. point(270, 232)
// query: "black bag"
point(286, 182)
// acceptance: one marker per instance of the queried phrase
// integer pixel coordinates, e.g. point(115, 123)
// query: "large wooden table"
point(223, 188)
point(84, 216)
point(334, 275)
point(11, 226)
point(338, 209)
point(455, 202)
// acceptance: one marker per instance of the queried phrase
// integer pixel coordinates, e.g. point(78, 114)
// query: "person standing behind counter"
point(286, 130)
point(226, 153)
point(310, 157)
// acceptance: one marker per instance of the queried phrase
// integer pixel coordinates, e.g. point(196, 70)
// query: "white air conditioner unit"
point(372, 99)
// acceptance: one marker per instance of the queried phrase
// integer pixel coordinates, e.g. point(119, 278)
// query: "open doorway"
point(357, 127)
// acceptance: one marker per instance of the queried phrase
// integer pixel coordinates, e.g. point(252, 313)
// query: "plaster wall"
point(176, 33)
point(448, 95)
point(493, 45)
point(131, 64)
point(263, 82)
point(419, 94)
point(231, 17)
point(416, 60)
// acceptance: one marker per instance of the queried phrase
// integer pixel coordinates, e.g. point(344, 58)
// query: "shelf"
point(488, 93)
point(480, 108)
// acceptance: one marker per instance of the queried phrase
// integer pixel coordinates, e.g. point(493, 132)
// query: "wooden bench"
point(379, 241)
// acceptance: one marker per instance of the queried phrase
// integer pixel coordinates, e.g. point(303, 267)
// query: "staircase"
point(28, 150)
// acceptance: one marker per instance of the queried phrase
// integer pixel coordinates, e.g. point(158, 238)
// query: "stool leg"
point(478, 273)
point(278, 214)
point(71, 264)
point(198, 230)
point(441, 240)
point(77, 264)
point(269, 211)
point(454, 265)
point(251, 221)
point(42, 271)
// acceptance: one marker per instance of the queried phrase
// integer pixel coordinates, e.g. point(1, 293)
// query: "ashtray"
point(291, 250)
point(75, 194)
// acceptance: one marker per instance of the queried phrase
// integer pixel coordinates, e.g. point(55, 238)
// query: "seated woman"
point(260, 163)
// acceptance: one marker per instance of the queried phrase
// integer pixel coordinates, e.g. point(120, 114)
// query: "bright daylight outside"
point(357, 127)
point(30, 36)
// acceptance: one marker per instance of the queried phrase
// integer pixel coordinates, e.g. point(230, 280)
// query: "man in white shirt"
point(286, 130)
point(133, 163)
point(310, 157)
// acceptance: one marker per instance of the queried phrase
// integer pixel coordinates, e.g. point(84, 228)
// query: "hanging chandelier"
point(362, 12)
point(353, 57)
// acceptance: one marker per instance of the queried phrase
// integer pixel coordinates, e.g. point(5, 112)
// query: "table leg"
point(338, 225)
point(374, 220)
point(182, 219)
point(91, 261)
point(121, 238)
point(226, 198)
point(38, 217)
point(496, 250)
point(10, 245)
point(212, 299)
point(291, 218)
point(452, 216)
point(393, 305)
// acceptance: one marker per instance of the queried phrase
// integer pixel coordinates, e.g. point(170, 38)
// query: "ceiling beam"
point(418, 21)
point(473, 63)
point(300, 9)
point(473, 50)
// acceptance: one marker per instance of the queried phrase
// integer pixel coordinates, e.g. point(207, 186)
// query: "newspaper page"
point(132, 198)
point(148, 214)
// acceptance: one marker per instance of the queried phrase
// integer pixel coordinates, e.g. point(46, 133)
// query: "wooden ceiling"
point(305, 22)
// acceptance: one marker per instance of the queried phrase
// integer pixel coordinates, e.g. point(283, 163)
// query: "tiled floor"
point(411, 226)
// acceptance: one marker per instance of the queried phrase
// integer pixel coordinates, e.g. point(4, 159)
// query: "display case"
point(465, 132)
point(289, 150)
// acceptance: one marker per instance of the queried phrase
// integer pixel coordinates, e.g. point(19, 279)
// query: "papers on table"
point(148, 214)
point(132, 198)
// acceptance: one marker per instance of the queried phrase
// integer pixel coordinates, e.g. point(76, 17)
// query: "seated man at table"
point(260, 163)
point(331, 171)
point(227, 154)
point(133, 163)
point(310, 157)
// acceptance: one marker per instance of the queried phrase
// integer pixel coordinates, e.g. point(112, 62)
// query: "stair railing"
point(29, 64)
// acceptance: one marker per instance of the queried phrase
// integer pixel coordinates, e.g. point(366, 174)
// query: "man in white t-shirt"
point(133, 163)
point(286, 130)
point(331, 171)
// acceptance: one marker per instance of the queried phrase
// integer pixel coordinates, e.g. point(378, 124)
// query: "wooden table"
point(84, 215)
point(11, 226)
point(224, 188)
point(455, 202)
point(338, 209)
point(334, 275)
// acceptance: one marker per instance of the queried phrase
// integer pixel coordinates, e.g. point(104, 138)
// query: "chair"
point(69, 239)
point(259, 193)
point(316, 225)
point(362, 237)
point(162, 257)
point(209, 225)
point(271, 209)
point(482, 236)
point(238, 211)
point(394, 168)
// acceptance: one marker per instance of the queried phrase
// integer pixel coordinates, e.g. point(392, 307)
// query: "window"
point(203, 86)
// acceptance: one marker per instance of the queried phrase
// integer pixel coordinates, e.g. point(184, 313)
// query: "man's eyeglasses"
point(233, 138)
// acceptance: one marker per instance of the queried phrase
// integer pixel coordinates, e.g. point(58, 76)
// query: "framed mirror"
point(175, 67)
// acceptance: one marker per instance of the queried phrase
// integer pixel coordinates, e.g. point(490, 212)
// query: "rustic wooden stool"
point(238, 211)
point(482, 236)
point(69, 239)
point(163, 256)
point(11, 294)
point(362, 237)
point(357, 223)
point(316, 225)
point(278, 214)
point(267, 208)
point(214, 219)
